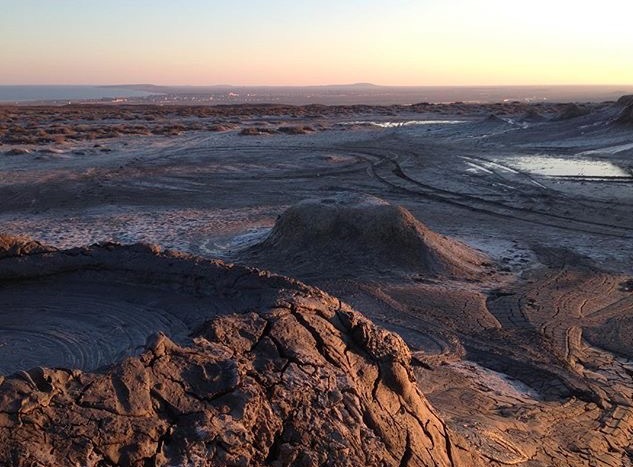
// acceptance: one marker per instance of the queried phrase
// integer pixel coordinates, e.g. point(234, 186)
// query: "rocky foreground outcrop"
point(294, 378)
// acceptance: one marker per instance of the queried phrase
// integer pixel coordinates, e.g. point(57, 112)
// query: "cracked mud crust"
point(293, 377)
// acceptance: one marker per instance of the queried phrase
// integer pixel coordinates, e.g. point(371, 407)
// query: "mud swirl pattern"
point(93, 307)
point(61, 325)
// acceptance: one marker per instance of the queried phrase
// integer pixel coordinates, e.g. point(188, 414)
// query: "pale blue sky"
point(316, 42)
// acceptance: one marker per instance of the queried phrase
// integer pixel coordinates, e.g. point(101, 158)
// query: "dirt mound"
point(532, 116)
point(625, 101)
point(17, 245)
point(221, 127)
point(570, 111)
point(252, 131)
point(17, 152)
point(350, 233)
point(295, 130)
point(625, 117)
point(295, 378)
point(492, 118)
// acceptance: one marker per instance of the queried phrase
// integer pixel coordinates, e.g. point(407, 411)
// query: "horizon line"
point(359, 84)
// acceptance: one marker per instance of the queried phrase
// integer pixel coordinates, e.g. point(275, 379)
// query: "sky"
point(311, 42)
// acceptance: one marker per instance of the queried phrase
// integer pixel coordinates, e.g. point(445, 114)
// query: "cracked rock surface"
point(287, 376)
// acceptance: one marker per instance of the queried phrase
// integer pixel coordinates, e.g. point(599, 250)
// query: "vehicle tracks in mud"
point(388, 169)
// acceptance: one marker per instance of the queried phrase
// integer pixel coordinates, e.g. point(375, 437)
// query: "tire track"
point(396, 178)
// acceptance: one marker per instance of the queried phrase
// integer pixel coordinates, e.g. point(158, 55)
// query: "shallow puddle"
point(223, 249)
point(404, 123)
point(560, 167)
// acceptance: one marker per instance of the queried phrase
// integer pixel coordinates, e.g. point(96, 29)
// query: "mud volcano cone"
point(351, 233)
point(626, 114)
point(570, 111)
point(532, 116)
point(625, 101)
point(492, 118)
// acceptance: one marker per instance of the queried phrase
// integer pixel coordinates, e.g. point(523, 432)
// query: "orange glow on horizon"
point(403, 42)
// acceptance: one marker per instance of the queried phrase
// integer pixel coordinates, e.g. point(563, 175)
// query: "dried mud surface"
point(292, 377)
point(459, 228)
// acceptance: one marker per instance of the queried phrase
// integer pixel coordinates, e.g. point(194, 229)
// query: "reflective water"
point(560, 167)
point(404, 123)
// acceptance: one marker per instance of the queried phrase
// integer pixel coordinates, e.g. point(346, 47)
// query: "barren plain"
point(493, 242)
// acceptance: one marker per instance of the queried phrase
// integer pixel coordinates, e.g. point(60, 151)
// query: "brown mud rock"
point(17, 246)
point(295, 379)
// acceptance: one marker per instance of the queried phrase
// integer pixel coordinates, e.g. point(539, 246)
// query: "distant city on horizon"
point(338, 94)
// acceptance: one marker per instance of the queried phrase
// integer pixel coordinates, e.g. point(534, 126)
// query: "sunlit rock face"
point(17, 246)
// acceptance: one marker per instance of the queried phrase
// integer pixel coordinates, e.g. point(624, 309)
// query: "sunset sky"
point(284, 42)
